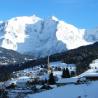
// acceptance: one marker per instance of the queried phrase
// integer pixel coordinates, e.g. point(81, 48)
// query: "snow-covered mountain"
point(41, 37)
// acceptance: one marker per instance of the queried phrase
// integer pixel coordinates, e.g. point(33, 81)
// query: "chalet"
point(60, 65)
point(94, 64)
point(22, 81)
point(88, 77)
point(92, 76)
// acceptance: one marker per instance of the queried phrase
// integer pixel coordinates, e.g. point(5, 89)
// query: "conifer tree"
point(51, 79)
point(66, 73)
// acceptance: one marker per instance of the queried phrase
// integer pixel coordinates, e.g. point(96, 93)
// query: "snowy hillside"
point(41, 37)
point(8, 57)
point(70, 91)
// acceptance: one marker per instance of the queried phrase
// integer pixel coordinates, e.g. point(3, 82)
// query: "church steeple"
point(48, 66)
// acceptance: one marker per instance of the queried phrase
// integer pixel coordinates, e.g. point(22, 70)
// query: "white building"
point(94, 64)
point(21, 82)
point(62, 65)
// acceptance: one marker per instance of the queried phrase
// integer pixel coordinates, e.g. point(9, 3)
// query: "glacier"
point(42, 37)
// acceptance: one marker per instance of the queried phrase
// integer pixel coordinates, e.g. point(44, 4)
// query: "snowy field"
point(70, 91)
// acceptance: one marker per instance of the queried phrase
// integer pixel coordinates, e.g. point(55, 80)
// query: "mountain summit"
point(42, 37)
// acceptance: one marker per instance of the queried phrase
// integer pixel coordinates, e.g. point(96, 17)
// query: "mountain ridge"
point(42, 37)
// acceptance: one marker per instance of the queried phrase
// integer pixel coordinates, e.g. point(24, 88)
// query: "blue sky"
point(81, 13)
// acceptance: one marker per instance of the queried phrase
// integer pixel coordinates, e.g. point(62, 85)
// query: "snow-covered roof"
point(59, 63)
point(23, 79)
point(90, 72)
point(67, 80)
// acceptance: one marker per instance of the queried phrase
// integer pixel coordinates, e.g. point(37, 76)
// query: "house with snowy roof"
point(94, 64)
